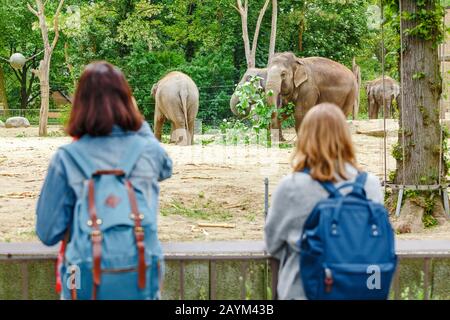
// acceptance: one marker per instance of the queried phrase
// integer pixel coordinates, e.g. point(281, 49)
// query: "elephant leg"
point(373, 109)
point(302, 107)
point(159, 122)
point(191, 130)
point(299, 115)
point(172, 133)
point(349, 106)
point(181, 133)
point(390, 108)
point(377, 108)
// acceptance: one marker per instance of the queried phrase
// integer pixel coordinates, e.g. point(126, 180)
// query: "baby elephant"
point(176, 97)
point(374, 91)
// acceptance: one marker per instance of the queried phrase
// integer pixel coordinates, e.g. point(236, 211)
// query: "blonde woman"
point(325, 147)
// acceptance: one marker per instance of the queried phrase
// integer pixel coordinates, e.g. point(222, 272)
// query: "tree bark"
point(420, 119)
point(419, 157)
point(3, 95)
point(23, 87)
point(273, 29)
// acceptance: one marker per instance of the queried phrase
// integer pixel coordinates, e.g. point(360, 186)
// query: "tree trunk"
point(418, 155)
point(44, 66)
point(421, 92)
point(44, 69)
point(23, 88)
point(3, 95)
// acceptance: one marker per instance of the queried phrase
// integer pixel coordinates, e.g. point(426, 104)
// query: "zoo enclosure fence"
point(54, 115)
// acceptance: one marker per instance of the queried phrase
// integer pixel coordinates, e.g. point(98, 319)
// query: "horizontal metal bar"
point(215, 257)
point(416, 187)
point(220, 250)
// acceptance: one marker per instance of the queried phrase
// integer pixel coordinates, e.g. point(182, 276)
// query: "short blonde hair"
point(324, 143)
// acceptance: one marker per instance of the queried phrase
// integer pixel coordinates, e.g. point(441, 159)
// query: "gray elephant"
point(307, 82)
point(177, 100)
point(374, 90)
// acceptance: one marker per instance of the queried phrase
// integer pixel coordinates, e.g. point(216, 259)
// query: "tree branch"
point(56, 24)
point(33, 97)
point(243, 12)
point(273, 29)
point(33, 11)
point(17, 74)
point(255, 36)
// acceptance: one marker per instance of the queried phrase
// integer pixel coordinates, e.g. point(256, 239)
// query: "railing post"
point(212, 280)
point(426, 277)
point(181, 279)
point(274, 265)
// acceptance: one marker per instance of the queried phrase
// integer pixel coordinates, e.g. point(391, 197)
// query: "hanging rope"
point(384, 95)
point(402, 114)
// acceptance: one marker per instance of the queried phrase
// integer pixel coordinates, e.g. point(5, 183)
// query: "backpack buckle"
point(96, 234)
point(139, 230)
point(328, 280)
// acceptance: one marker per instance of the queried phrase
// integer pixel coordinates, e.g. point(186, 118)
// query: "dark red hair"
point(103, 99)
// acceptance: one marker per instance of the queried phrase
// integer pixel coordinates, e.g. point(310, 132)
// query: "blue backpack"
point(114, 252)
point(347, 246)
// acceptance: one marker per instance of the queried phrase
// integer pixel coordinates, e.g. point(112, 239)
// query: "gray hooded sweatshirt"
point(293, 200)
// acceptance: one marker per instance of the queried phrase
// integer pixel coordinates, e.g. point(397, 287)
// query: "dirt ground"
point(214, 183)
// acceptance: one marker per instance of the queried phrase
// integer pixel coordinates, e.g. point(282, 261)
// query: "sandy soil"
point(211, 184)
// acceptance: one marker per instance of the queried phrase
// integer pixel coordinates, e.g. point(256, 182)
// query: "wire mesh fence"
point(32, 115)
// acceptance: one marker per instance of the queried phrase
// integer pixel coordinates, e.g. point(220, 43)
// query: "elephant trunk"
point(233, 102)
point(273, 84)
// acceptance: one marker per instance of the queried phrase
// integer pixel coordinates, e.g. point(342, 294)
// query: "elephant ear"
point(154, 88)
point(300, 73)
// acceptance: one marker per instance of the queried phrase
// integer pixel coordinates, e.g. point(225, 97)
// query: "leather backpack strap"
point(96, 238)
point(139, 234)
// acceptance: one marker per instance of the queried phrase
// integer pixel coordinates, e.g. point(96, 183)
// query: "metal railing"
point(243, 254)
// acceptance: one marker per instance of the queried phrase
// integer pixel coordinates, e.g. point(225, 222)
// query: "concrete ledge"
point(220, 250)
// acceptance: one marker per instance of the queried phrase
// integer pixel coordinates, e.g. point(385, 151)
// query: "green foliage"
point(427, 200)
point(253, 108)
point(252, 101)
point(392, 175)
point(397, 152)
point(445, 149)
point(418, 75)
point(428, 20)
point(147, 39)
point(201, 209)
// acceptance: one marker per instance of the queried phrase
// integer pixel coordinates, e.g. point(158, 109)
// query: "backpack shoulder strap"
point(327, 185)
point(83, 162)
point(360, 181)
point(131, 155)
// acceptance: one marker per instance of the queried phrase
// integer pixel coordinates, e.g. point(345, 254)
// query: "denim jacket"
point(64, 181)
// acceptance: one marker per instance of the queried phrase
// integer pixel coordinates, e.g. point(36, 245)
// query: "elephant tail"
point(184, 101)
point(357, 73)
